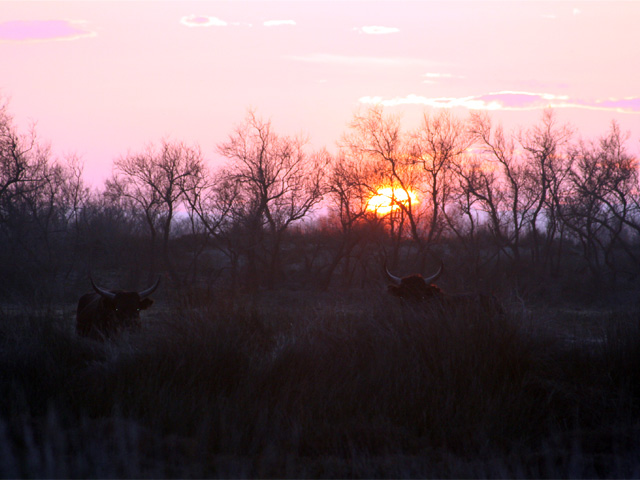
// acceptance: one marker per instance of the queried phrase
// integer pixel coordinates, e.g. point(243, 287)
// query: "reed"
point(322, 388)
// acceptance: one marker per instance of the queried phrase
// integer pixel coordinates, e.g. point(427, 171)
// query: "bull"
point(416, 288)
point(106, 313)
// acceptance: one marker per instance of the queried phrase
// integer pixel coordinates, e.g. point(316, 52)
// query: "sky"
point(101, 79)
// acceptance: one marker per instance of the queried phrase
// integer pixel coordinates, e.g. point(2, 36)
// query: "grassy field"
point(296, 386)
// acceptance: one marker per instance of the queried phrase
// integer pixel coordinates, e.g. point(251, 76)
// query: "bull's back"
point(85, 300)
point(474, 302)
point(88, 313)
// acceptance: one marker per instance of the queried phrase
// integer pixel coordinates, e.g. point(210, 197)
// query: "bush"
point(321, 388)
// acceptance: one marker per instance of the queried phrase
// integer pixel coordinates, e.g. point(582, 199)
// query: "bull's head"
point(414, 287)
point(126, 306)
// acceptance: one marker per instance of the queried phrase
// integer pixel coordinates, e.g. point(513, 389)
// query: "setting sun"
point(388, 199)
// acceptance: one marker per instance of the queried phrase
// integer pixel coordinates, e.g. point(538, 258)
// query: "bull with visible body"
point(106, 313)
point(416, 288)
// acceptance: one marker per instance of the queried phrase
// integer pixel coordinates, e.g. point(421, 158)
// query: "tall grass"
point(320, 387)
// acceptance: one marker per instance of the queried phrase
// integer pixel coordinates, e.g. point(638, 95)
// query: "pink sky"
point(105, 78)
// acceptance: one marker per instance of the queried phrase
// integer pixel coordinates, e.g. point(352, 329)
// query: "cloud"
point(412, 99)
point(623, 105)
point(279, 23)
point(44, 30)
point(511, 100)
point(432, 77)
point(202, 21)
point(376, 30)
point(438, 75)
point(329, 58)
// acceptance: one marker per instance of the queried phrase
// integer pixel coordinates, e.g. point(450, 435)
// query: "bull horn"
point(392, 277)
point(102, 291)
point(150, 290)
point(435, 276)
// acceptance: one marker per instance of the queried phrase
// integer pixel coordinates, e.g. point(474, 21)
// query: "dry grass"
point(320, 387)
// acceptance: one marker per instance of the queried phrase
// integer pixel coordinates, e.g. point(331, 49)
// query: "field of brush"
point(317, 385)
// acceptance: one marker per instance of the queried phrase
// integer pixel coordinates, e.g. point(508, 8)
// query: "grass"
point(321, 387)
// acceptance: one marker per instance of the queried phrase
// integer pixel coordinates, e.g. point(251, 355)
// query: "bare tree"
point(40, 198)
point(477, 207)
point(436, 145)
point(600, 209)
point(515, 189)
point(547, 166)
point(210, 199)
point(152, 182)
point(349, 216)
point(376, 141)
point(23, 163)
point(277, 183)
point(52, 211)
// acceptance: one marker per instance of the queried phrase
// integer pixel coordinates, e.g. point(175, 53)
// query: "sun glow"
point(388, 199)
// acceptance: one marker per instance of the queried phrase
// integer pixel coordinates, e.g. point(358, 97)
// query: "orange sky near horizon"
point(104, 78)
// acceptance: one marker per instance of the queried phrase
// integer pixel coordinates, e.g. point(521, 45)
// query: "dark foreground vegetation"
point(323, 386)
point(273, 349)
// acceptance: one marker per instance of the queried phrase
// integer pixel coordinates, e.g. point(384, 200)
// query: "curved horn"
point(390, 276)
point(102, 291)
point(150, 290)
point(435, 276)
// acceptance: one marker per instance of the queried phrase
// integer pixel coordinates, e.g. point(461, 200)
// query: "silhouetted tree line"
point(516, 211)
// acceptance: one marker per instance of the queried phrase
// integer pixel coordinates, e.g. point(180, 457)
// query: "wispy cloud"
point(510, 100)
point(44, 30)
point(279, 23)
point(329, 58)
point(554, 16)
point(202, 21)
point(209, 21)
point(376, 30)
point(433, 77)
point(438, 75)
